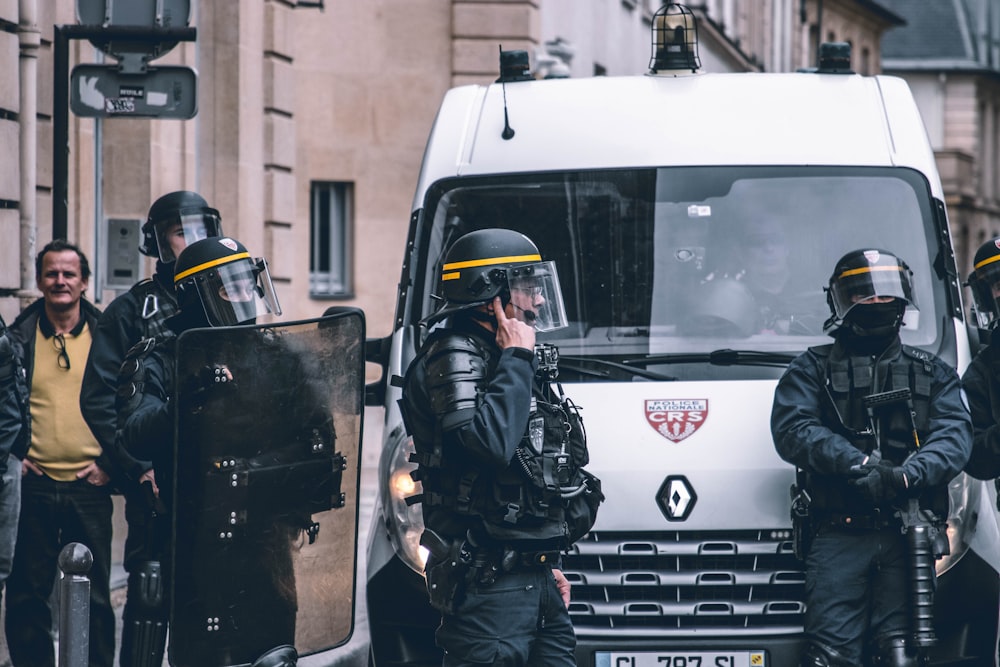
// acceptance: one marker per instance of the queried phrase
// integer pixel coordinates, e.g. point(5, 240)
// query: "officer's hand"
point(512, 332)
point(150, 476)
point(879, 482)
point(562, 584)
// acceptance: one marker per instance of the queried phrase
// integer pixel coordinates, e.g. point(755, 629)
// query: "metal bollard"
point(75, 561)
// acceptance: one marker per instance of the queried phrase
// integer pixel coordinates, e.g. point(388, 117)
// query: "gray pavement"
point(355, 652)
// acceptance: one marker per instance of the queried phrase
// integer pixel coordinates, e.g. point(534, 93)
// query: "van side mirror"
point(377, 352)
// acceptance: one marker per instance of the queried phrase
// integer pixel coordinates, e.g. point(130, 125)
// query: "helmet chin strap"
point(873, 332)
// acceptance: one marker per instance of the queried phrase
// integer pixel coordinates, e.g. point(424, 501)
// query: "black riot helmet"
point(218, 284)
point(858, 277)
point(181, 212)
point(487, 263)
point(985, 274)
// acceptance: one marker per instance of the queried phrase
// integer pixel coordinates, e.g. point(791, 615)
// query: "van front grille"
point(681, 582)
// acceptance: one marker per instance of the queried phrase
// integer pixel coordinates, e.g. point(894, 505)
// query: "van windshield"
point(660, 267)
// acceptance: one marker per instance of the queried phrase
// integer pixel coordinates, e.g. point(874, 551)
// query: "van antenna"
point(508, 131)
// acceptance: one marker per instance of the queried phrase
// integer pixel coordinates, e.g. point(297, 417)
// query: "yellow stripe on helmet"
point(208, 265)
point(491, 260)
point(869, 269)
point(988, 260)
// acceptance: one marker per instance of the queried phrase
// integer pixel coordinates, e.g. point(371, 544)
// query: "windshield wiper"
point(725, 357)
point(603, 368)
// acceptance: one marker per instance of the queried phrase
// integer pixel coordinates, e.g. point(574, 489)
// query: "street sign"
point(152, 14)
point(163, 13)
point(103, 91)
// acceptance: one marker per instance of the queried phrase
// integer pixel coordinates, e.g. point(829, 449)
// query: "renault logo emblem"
point(676, 498)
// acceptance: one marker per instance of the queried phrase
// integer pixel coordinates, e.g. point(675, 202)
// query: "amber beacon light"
point(675, 40)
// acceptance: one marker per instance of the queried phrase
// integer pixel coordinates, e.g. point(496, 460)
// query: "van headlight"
point(405, 523)
point(964, 498)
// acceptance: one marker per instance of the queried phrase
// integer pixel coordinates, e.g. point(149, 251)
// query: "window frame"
point(331, 222)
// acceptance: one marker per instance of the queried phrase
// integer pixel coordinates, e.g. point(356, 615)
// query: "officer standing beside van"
point(876, 430)
point(174, 221)
point(982, 378)
point(229, 426)
point(501, 454)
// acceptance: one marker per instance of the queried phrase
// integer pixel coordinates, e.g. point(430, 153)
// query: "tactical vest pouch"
point(581, 509)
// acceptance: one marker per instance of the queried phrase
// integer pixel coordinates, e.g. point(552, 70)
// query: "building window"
point(331, 215)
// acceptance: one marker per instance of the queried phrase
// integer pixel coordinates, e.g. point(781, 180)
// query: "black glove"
point(879, 482)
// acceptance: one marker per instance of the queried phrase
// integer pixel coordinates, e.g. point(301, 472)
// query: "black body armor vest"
point(543, 496)
point(895, 427)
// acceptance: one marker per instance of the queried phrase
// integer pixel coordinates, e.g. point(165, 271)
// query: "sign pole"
point(60, 133)
point(60, 98)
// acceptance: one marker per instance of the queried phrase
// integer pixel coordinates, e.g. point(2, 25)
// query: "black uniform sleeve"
point(498, 424)
point(980, 388)
point(145, 421)
point(948, 443)
point(118, 329)
point(800, 436)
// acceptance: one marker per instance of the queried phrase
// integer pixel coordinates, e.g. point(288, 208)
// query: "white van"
point(695, 220)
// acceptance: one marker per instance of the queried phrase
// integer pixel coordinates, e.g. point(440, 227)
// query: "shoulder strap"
point(918, 375)
point(156, 305)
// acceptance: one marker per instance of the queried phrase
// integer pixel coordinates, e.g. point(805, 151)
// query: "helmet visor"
point(985, 285)
point(854, 286)
point(536, 296)
point(238, 293)
point(175, 233)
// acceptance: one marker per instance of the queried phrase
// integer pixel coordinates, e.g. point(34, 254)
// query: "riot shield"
point(265, 489)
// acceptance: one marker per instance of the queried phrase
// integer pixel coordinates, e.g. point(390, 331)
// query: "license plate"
point(682, 659)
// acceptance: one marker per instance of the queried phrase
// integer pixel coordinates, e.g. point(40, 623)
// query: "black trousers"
point(54, 514)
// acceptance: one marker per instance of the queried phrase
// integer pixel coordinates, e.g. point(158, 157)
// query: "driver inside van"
point(785, 304)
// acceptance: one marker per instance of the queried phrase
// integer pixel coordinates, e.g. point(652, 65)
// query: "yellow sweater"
point(61, 442)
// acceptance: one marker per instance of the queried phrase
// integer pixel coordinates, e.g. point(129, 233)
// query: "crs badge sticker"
point(676, 418)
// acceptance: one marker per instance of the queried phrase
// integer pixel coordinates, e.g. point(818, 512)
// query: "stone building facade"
point(312, 118)
point(949, 53)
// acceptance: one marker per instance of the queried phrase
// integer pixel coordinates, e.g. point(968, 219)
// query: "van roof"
point(700, 119)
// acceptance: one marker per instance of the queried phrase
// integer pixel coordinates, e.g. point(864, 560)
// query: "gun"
point(919, 527)
point(447, 572)
point(802, 530)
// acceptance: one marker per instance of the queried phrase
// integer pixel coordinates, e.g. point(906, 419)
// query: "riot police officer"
point(500, 455)
point(175, 220)
point(982, 378)
point(218, 284)
point(876, 430)
point(15, 436)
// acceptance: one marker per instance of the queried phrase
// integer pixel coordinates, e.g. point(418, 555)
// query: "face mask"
point(876, 319)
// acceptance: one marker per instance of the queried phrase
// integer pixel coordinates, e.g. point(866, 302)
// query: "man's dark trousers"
point(54, 514)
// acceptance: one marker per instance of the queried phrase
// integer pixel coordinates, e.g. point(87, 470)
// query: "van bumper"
point(967, 613)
